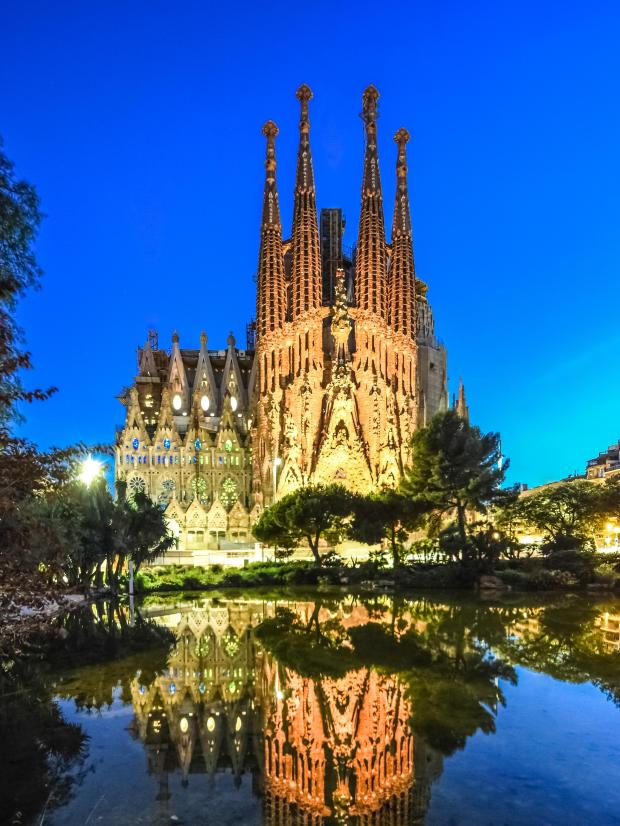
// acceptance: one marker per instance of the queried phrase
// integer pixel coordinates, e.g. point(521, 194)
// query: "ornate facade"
point(185, 440)
point(340, 388)
point(346, 365)
point(320, 751)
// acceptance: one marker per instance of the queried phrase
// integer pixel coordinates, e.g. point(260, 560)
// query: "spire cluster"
point(384, 285)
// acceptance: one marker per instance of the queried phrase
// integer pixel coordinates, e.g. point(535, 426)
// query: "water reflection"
point(325, 711)
point(327, 749)
point(342, 711)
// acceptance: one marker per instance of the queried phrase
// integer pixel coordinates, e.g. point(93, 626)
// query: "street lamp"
point(89, 470)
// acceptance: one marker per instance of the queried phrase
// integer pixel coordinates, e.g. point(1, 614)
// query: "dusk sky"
point(140, 125)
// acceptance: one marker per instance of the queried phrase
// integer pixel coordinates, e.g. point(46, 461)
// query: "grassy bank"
point(569, 571)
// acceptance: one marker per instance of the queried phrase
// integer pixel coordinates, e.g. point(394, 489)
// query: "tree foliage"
point(455, 470)
point(568, 515)
point(20, 217)
point(385, 516)
point(308, 515)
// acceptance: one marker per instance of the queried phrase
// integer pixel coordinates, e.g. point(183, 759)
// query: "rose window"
point(136, 485)
point(229, 493)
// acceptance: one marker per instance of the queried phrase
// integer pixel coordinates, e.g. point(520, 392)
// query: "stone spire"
point(401, 285)
point(271, 293)
point(306, 269)
point(460, 404)
point(371, 274)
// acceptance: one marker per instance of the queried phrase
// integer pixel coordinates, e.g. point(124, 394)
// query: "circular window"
point(136, 485)
point(228, 446)
point(177, 401)
point(199, 486)
point(184, 725)
point(229, 493)
point(167, 491)
point(197, 444)
point(167, 444)
point(135, 444)
point(204, 403)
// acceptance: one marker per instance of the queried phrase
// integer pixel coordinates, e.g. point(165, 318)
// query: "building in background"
point(606, 464)
point(342, 366)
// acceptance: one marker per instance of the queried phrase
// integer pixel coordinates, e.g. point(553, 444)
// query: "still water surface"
point(288, 709)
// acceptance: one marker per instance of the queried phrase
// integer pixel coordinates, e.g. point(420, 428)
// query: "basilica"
point(341, 366)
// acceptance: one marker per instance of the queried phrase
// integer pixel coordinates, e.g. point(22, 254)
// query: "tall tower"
point(271, 295)
point(306, 267)
point(401, 305)
point(371, 266)
point(402, 316)
point(270, 318)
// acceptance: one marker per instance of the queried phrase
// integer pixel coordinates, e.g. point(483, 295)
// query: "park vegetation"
point(56, 533)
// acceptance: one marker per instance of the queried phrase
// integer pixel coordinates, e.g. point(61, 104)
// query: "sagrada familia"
point(342, 365)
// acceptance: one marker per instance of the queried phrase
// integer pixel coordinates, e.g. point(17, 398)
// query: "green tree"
point(308, 514)
point(141, 533)
point(455, 469)
point(20, 217)
point(386, 515)
point(566, 514)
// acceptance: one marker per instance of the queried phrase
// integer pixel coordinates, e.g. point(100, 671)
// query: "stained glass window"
point(229, 492)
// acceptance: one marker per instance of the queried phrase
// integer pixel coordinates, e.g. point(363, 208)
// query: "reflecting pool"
point(315, 709)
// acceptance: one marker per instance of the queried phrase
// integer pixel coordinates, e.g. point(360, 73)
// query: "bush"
point(546, 580)
point(515, 578)
point(433, 576)
point(578, 563)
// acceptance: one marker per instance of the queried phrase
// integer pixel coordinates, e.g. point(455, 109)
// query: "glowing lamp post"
point(89, 470)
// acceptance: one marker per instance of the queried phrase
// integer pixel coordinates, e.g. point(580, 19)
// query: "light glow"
point(177, 401)
point(233, 403)
point(89, 471)
point(204, 403)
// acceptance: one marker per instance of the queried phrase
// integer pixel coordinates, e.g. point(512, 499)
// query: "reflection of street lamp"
point(89, 470)
point(276, 464)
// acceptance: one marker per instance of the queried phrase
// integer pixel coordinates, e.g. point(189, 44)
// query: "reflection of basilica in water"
point(320, 751)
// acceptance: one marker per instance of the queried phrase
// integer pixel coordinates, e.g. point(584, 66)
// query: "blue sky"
point(139, 123)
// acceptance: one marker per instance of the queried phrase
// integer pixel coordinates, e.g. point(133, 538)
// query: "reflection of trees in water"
point(318, 747)
point(341, 710)
point(43, 757)
point(38, 749)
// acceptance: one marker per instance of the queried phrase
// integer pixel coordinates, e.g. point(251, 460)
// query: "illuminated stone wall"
point(339, 390)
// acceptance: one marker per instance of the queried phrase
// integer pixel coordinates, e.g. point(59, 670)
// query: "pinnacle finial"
point(203, 339)
point(402, 137)
point(369, 104)
point(175, 337)
point(230, 340)
point(303, 95)
point(270, 130)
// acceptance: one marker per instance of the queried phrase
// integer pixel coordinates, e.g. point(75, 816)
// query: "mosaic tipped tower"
point(350, 389)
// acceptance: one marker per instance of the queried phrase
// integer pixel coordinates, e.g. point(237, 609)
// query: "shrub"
point(550, 580)
point(579, 563)
point(515, 578)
